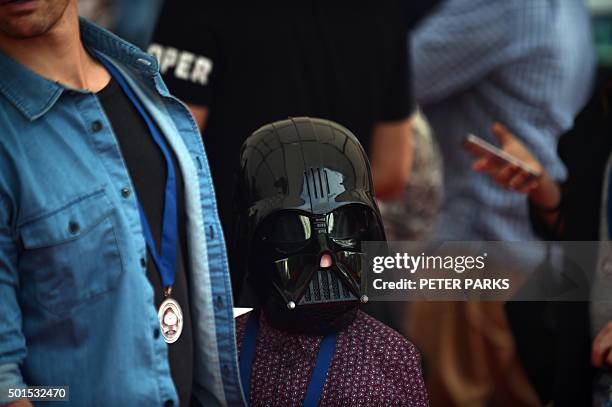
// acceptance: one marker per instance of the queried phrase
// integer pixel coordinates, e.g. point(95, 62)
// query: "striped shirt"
point(526, 63)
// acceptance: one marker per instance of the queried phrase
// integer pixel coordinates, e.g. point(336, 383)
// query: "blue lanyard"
point(165, 260)
point(317, 380)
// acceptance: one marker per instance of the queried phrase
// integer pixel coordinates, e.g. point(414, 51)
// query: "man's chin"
point(29, 19)
point(22, 29)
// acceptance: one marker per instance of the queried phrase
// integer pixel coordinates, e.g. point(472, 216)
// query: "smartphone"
point(482, 148)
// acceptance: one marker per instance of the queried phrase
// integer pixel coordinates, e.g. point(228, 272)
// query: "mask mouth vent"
point(326, 287)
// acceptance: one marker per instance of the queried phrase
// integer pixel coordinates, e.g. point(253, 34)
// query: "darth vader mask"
point(306, 205)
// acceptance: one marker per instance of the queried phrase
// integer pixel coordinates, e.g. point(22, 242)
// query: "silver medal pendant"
point(170, 320)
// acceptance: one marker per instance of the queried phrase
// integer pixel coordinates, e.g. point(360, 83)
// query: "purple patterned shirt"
point(372, 365)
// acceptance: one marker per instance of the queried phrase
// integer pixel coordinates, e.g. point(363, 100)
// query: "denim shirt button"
point(96, 126)
point(225, 369)
point(125, 192)
point(219, 302)
point(169, 403)
point(156, 333)
point(143, 262)
point(73, 227)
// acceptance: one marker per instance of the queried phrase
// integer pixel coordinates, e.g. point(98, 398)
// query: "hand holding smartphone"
point(498, 158)
point(514, 167)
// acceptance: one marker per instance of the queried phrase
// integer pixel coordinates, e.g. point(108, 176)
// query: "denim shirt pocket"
point(72, 253)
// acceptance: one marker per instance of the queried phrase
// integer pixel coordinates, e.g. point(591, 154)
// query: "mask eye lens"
point(345, 225)
point(286, 232)
point(287, 227)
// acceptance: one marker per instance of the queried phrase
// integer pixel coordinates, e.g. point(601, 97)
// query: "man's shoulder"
point(379, 335)
point(374, 325)
point(17, 128)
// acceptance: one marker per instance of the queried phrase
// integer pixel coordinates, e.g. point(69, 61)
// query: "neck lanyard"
point(317, 380)
point(165, 259)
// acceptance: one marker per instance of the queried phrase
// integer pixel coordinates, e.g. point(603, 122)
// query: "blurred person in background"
point(529, 65)
point(414, 216)
point(575, 209)
point(241, 67)
point(562, 344)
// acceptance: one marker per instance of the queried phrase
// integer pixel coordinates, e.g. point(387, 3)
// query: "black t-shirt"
point(269, 60)
point(147, 168)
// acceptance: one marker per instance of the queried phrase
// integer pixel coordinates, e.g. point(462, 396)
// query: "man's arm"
point(10, 377)
point(459, 44)
point(12, 342)
point(200, 114)
point(20, 403)
point(188, 59)
point(391, 156)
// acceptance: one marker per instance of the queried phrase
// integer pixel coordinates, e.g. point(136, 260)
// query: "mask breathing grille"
point(325, 286)
point(317, 183)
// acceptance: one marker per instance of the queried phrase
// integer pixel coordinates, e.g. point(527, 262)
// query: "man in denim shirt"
point(76, 306)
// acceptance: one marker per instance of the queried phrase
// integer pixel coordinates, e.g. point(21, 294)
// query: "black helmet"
point(306, 202)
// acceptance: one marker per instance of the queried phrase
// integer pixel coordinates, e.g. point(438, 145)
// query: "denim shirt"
point(76, 307)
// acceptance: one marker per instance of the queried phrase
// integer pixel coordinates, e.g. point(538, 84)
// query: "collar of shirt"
point(34, 95)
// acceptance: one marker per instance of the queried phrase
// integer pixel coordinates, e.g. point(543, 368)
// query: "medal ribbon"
point(317, 380)
point(165, 259)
